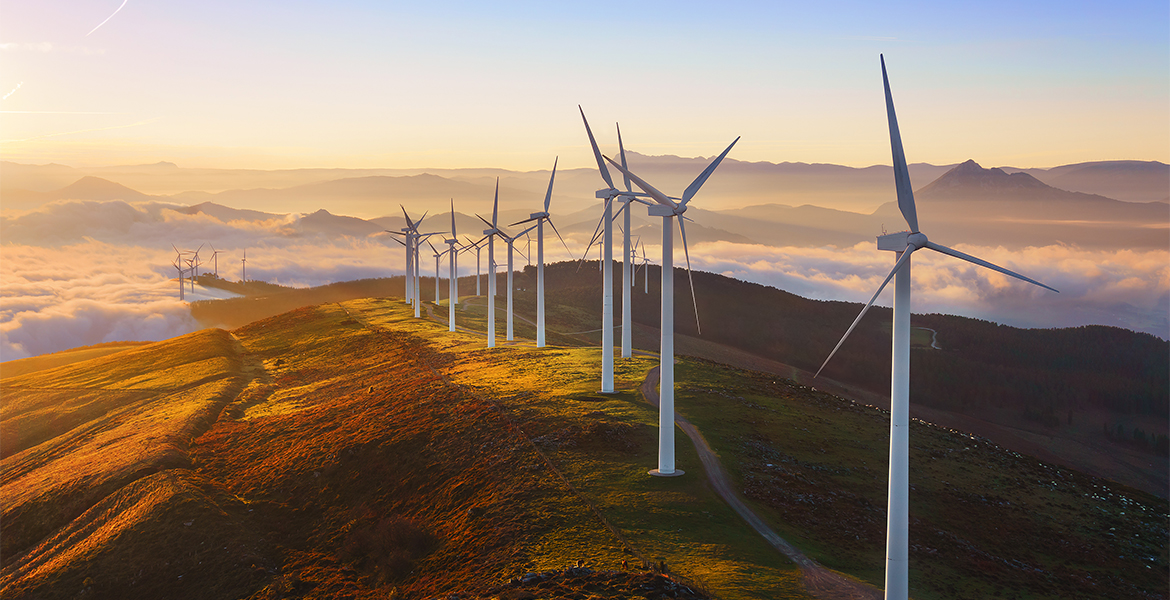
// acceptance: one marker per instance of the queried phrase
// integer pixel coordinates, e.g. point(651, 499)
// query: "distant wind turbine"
point(903, 244)
point(511, 241)
point(478, 246)
point(540, 218)
point(438, 257)
point(452, 254)
point(244, 267)
point(668, 209)
point(180, 269)
point(490, 234)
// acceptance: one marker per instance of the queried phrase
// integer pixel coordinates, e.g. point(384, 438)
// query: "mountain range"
point(965, 203)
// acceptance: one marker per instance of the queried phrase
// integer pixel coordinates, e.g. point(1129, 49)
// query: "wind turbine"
point(511, 241)
point(477, 245)
point(180, 269)
point(903, 244)
point(540, 218)
point(419, 238)
point(215, 260)
point(453, 254)
point(490, 234)
point(244, 267)
point(196, 264)
point(668, 209)
point(438, 256)
point(606, 224)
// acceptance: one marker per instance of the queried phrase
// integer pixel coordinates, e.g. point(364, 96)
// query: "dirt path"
point(819, 581)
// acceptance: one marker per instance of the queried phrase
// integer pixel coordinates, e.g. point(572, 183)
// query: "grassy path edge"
point(819, 581)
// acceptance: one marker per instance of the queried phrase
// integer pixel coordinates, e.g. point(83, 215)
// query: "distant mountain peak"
point(96, 188)
point(969, 177)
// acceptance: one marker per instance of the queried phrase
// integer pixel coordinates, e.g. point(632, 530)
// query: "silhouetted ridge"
point(969, 178)
point(96, 188)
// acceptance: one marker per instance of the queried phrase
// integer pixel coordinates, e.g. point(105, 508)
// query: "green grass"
point(984, 520)
point(554, 394)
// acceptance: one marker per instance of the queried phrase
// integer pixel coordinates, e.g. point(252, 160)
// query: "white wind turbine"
point(180, 269)
point(904, 244)
point(452, 254)
point(540, 218)
point(606, 263)
point(467, 248)
point(511, 241)
point(490, 234)
point(215, 260)
point(244, 267)
point(438, 257)
point(667, 208)
point(419, 238)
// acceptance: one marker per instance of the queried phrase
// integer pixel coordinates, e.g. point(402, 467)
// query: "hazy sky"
point(446, 84)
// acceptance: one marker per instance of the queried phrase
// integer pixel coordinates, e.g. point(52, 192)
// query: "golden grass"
point(76, 433)
point(20, 366)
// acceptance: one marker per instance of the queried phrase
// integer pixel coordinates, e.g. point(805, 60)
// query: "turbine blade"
point(550, 222)
point(646, 187)
point(596, 152)
point(901, 171)
point(983, 263)
point(617, 214)
point(409, 223)
point(496, 204)
point(524, 221)
point(452, 217)
point(683, 230)
point(485, 221)
point(898, 265)
point(693, 188)
point(548, 194)
point(622, 150)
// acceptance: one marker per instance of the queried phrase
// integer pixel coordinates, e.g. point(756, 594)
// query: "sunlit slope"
point(74, 434)
point(23, 366)
point(341, 450)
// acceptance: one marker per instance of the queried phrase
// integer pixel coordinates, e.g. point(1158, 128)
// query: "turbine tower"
point(180, 269)
point(606, 225)
point(467, 248)
point(453, 293)
point(667, 208)
point(540, 218)
point(438, 257)
point(215, 260)
point(244, 267)
point(490, 235)
point(903, 244)
point(511, 241)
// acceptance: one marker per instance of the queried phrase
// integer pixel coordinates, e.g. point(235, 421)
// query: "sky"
point(265, 84)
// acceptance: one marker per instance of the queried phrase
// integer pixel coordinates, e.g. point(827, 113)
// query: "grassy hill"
point(351, 450)
point(1096, 399)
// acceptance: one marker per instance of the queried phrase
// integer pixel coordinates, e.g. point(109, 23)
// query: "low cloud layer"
point(80, 273)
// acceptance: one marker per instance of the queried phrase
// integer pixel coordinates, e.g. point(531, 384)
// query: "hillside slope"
point(336, 450)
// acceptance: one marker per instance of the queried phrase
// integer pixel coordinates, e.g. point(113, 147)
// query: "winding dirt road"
point(818, 580)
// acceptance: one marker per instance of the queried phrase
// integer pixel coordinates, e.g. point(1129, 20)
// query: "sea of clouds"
point(80, 273)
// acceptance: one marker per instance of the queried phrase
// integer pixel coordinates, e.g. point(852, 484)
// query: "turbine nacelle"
point(539, 215)
point(897, 242)
point(661, 210)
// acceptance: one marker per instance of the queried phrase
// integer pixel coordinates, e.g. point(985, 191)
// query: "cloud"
point(80, 273)
point(58, 298)
point(1125, 288)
